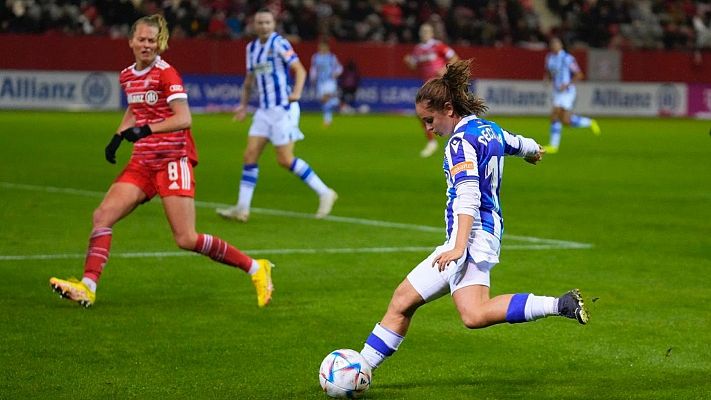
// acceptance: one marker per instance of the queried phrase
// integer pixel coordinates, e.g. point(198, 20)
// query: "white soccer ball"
point(344, 373)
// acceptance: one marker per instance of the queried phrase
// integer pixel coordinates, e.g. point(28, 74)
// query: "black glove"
point(136, 133)
point(111, 148)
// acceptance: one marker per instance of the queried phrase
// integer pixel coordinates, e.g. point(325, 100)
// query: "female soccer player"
point(563, 71)
point(429, 58)
point(270, 57)
point(325, 69)
point(473, 166)
point(158, 122)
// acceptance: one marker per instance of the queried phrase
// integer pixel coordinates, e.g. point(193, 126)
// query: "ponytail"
point(452, 87)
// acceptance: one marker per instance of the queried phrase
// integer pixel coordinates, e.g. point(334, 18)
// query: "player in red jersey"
point(157, 121)
point(429, 58)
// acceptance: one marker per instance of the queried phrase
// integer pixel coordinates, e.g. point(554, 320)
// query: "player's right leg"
point(387, 335)
point(431, 146)
point(423, 284)
point(556, 127)
point(248, 182)
point(121, 199)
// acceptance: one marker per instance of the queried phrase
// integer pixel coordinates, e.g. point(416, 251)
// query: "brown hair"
point(452, 87)
point(159, 22)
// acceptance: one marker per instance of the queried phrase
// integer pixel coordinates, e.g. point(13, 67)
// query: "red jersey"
point(431, 57)
point(148, 93)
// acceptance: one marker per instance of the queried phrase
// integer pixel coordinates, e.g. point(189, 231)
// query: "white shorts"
point(472, 269)
point(564, 100)
point(278, 124)
point(328, 88)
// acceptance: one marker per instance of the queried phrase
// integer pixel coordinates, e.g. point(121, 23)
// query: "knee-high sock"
point(302, 169)
point(328, 108)
point(526, 307)
point(250, 173)
point(577, 121)
point(381, 343)
point(97, 255)
point(556, 127)
point(222, 252)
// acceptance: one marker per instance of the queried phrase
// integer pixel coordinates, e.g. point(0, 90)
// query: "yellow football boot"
point(262, 281)
point(74, 290)
point(595, 127)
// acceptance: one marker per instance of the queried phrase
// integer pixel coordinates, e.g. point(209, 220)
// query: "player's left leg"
point(302, 169)
point(180, 211)
point(477, 310)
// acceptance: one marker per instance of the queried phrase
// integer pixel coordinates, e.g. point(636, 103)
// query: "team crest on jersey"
point(151, 97)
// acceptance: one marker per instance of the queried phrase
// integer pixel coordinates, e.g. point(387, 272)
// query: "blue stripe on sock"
point(306, 174)
point(250, 179)
point(379, 345)
point(249, 166)
point(517, 308)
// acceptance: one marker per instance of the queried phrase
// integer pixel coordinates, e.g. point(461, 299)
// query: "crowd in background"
point(656, 24)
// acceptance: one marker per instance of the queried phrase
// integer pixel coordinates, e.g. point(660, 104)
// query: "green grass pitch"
point(625, 216)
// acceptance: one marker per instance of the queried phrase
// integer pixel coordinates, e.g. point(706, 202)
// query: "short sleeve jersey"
point(561, 66)
point(148, 93)
point(269, 62)
point(324, 67)
point(431, 57)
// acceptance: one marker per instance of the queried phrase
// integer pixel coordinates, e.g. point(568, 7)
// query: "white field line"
point(164, 254)
point(535, 243)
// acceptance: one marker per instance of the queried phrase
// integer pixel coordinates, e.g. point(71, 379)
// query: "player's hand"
point(136, 133)
point(110, 150)
point(293, 97)
point(240, 113)
point(443, 259)
point(534, 159)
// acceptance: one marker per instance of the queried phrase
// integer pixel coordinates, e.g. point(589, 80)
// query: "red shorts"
point(174, 179)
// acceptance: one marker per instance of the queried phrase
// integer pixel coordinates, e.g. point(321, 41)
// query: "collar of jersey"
point(464, 121)
point(144, 70)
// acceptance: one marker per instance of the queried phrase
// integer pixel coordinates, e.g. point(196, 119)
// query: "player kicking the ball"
point(473, 165)
point(158, 122)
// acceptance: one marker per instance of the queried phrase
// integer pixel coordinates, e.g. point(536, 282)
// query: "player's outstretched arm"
point(521, 146)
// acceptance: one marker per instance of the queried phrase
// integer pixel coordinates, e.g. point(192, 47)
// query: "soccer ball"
point(344, 373)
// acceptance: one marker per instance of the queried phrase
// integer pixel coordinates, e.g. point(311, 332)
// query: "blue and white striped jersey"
point(473, 167)
point(324, 68)
point(270, 61)
point(561, 66)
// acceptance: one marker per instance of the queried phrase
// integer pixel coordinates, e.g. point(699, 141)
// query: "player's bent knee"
point(285, 162)
point(474, 320)
point(404, 303)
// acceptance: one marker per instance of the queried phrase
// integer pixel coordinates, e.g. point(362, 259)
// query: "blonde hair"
point(452, 87)
point(159, 22)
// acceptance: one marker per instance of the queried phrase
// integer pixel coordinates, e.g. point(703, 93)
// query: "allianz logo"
point(509, 95)
point(23, 87)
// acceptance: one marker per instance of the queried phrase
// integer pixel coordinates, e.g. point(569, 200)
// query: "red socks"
point(98, 253)
point(222, 252)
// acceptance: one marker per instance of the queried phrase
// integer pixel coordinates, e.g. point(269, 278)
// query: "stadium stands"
point(622, 24)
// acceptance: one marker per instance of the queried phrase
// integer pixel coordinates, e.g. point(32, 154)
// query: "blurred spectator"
point(348, 82)
point(672, 24)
